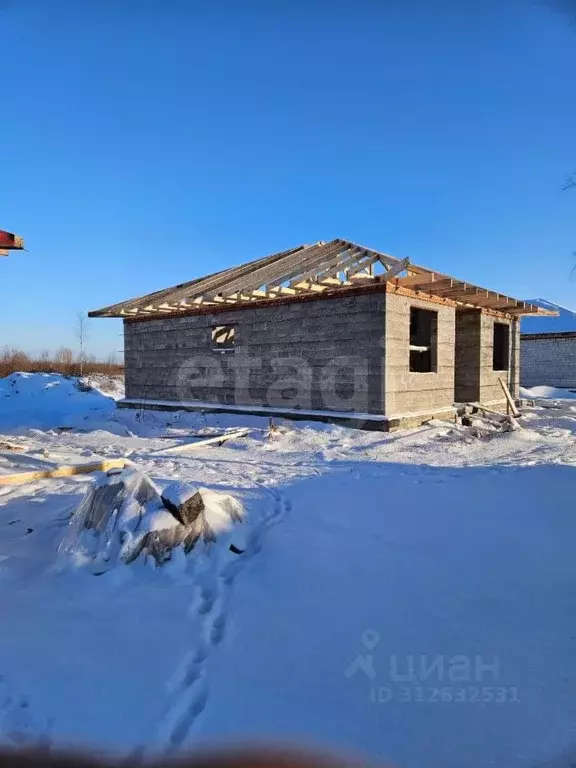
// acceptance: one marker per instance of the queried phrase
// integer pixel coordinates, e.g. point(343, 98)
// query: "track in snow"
point(189, 688)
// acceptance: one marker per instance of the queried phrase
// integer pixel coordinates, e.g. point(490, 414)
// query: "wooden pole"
point(509, 401)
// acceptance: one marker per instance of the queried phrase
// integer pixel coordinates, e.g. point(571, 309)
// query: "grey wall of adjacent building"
point(548, 359)
point(325, 354)
point(475, 378)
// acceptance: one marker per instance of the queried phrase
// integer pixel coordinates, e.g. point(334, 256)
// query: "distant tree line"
point(62, 361)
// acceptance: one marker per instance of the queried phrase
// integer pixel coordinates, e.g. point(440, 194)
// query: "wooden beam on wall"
point(419, 279)
point(492, 301)
point(463, 292)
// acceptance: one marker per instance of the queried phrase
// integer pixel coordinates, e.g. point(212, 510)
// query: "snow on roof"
point(565, 320)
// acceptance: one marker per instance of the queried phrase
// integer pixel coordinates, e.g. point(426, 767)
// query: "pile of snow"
point(535, 393)
point(50, 400)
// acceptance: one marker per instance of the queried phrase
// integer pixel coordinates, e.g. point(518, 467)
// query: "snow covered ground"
point(408, 598)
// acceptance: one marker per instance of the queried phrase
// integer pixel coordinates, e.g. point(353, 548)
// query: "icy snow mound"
point(49, 400)
point(534, 393)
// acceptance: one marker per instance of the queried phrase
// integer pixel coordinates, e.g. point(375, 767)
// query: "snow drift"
point(50, 400)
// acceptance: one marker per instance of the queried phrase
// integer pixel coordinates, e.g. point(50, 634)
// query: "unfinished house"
point(330, 331)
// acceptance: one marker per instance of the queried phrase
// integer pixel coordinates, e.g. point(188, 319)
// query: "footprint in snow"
point(18, 726)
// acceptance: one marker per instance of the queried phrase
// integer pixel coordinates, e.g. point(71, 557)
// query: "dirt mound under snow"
point(50, 400)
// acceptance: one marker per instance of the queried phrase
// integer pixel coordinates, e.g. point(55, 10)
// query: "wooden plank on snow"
point(63, 471)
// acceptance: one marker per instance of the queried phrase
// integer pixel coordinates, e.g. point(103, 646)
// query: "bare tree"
point(65, 357)
point(81, 336)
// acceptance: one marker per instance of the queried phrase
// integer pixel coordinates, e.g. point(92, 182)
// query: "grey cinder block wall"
point(475, 379)
point(548, 359)
point(319, 355)
point(341, 353)
point(407, 392)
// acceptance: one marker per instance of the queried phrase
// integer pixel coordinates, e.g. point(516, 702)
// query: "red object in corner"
point(10, 241)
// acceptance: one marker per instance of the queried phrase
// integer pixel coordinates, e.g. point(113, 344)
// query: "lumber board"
point(493, 301)
point(462, 291)
point(444, 287)
point(189, 446)
point(16, 447)
point(63, 471)
point(432, 280)
point(485, 409)
point(508, 396)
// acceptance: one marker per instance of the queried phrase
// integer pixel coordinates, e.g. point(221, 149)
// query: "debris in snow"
point(275, 430)
point(16, 447)
point(124, 515)
point(210, 515)
point(218, 440)
point(183, 500)
point(481, 421)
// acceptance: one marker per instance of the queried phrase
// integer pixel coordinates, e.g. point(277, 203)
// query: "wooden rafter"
point(353, 270)
point(342, 265)
point(269, 273)
point(395, 270)
point(306, 270)
point(417, 280)
point(323, 268)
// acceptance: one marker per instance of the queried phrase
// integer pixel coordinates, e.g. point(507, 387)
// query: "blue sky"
point(145, 143)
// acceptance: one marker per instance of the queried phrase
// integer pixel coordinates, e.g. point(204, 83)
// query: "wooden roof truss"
point(311, 269)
